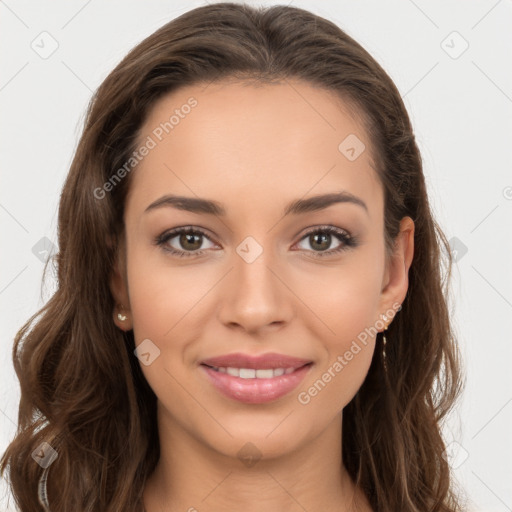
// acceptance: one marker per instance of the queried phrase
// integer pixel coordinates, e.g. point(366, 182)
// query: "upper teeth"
point(251, 373)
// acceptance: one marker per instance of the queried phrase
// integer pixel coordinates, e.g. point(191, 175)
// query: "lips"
point(255, 379)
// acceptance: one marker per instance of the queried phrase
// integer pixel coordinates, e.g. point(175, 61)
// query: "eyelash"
point(348, 241)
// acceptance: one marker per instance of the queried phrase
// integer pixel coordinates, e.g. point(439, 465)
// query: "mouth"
point(255, 385)
point(253, 373)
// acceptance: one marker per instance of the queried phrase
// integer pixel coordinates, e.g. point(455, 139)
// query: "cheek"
point(345, 297)
point(348, 350)
point(159, 297)
point(166, 309)
point(346, 300)
point(162, 295)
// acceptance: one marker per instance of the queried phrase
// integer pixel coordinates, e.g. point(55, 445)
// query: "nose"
point(255, 297)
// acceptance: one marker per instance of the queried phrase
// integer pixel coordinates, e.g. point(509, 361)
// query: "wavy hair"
point(82, 389)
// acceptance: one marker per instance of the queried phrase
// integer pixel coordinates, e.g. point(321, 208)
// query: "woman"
point(251, 310)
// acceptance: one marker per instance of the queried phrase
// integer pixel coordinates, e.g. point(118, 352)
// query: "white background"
point(461, 109)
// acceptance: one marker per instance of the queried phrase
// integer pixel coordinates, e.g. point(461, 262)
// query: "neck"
point(191, 476)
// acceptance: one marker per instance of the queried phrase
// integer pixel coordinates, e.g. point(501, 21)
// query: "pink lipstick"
point(255, 379)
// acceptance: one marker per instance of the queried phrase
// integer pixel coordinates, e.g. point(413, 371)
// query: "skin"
point(255, 149)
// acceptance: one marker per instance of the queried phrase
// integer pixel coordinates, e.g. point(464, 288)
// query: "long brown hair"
point(82, 389)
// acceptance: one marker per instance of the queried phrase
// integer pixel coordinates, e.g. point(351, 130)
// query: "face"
point(269, 271)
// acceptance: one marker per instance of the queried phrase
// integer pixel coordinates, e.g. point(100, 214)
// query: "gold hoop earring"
point(384, 341)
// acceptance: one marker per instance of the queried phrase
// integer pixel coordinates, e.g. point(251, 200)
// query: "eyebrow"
point(299, 206)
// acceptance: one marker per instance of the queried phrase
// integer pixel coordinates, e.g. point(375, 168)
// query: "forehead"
point(232, 141)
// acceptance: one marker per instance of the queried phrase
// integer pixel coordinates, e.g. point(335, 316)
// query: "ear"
point(396, 276)
point(119, 289)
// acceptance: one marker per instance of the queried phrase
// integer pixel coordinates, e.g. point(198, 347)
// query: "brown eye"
point(191, 242)
point(184, 242)
point(321, 239)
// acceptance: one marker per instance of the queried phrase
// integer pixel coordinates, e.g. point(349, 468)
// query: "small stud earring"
point(121, 316)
